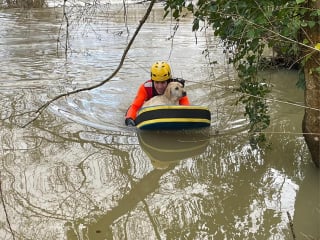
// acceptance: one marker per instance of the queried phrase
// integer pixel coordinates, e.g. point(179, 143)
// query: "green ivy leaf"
point(311, 24)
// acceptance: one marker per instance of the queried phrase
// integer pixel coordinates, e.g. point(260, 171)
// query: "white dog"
point(171, 96)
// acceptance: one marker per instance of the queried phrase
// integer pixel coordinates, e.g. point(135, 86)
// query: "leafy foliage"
point(249, 27)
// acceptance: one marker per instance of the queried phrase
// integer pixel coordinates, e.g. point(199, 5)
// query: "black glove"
point(129, 122)
point(180, 80)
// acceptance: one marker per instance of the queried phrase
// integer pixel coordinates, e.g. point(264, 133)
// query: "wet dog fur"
point(171, 96)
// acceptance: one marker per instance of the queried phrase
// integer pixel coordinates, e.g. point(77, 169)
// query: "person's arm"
point(136, 104)
point(184, 101)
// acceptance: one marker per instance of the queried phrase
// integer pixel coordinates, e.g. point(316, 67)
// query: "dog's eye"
point(177, 88)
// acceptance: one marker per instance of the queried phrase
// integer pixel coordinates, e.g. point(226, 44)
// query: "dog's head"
point(175, 91)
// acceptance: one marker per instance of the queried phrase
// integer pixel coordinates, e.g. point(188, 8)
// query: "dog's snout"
point(184, 93)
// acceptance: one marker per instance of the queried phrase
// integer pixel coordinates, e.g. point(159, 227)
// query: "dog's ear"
point(176, 90)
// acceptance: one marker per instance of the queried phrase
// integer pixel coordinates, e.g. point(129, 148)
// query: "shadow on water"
point(164, 149)
point(101, 226)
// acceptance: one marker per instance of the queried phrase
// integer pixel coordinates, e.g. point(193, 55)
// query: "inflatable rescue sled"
point(173, 117)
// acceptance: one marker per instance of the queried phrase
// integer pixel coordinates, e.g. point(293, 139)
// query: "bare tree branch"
point(126, 50)
point(5, 211)
point(291, 226)
point(67, 30)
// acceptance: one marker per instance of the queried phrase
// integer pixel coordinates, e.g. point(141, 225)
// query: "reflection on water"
point(164, 148)
point(79, 173)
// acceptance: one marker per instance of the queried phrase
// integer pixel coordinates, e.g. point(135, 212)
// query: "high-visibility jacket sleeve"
point(137, 103)
point(184, 101)
point(139, 100)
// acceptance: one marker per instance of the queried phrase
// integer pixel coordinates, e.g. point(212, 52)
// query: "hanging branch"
point(39, 111)
point(65, 18)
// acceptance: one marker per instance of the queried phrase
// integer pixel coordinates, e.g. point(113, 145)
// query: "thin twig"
point(44, 106)
point(291, 226)
point(67, 30)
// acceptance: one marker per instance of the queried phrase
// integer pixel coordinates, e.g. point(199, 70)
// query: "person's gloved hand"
point(129, 122)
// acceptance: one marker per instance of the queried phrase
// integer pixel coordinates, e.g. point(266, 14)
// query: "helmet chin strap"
point(154, 91)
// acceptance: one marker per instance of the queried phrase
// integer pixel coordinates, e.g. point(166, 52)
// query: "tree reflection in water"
point(102, 185)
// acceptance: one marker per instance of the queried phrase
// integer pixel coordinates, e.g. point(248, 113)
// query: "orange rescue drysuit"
point(145, 92)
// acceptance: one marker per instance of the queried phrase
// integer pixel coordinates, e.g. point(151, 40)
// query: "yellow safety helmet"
point(160, 71)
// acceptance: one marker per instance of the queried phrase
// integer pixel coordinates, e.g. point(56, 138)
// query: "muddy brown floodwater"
point(78, 173)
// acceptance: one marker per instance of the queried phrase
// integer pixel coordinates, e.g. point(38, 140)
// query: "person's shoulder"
point(147, 83)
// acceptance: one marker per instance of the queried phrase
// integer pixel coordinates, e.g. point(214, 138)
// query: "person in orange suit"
point(160, 77)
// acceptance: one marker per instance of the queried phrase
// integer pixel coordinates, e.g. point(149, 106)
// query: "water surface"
point(78, 173)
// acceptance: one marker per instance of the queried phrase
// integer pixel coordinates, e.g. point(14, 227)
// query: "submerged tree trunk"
point(311, 120)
